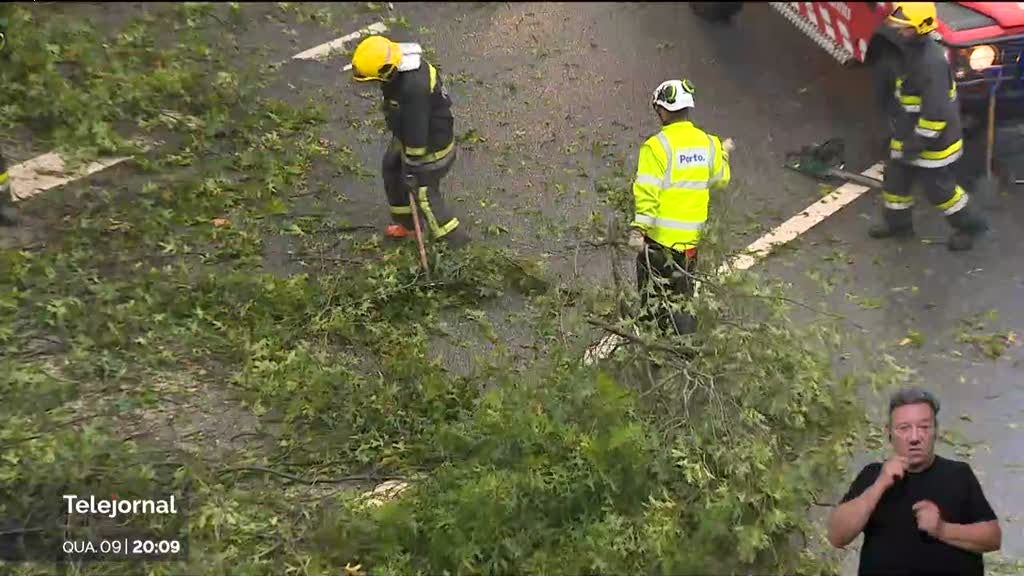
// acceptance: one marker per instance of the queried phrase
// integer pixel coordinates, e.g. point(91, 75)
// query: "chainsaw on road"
point(825, 161)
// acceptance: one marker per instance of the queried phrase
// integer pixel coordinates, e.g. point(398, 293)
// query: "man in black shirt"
point(920, 513)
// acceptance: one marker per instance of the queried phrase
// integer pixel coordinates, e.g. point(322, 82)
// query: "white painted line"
point(323, 50)
point(385, 491)
point(48, 171)
point(787, 231)
point(802, 222)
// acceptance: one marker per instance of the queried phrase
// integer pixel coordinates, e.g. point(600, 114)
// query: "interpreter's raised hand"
point(929, 519)
point(893, 470)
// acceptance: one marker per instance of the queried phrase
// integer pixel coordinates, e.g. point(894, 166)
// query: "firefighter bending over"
point(927, 138)
point(676, 170)
point(422, 149)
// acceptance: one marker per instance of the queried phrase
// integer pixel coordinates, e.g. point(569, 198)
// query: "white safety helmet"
point(673, 95)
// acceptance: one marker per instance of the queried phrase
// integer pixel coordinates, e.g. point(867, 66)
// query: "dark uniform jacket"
point(927, 120)
point(418, 112)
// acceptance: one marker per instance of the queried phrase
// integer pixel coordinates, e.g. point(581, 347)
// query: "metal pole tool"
point(412, 183)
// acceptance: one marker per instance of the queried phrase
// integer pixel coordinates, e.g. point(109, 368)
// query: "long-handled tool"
point(413, 186)
point(824, 161)
point(987, 187)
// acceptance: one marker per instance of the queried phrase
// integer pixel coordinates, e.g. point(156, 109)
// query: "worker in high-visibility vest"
point(7, 217)
point(676, 171)
point(422, 149)
point(927, 137)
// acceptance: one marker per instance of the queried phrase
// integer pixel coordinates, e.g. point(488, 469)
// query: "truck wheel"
point(718, 12)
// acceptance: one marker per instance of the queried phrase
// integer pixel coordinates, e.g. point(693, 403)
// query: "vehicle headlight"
point(981, 57)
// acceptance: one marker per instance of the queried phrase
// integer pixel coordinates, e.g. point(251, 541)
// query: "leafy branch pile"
point(693, 454)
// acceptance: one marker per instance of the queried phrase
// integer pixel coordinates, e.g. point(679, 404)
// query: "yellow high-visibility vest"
point(676, 170)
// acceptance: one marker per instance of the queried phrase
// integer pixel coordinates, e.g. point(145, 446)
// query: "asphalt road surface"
point(586, 70)
point(552, 98)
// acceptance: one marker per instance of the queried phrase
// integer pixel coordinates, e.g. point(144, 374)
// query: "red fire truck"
point(984, 40)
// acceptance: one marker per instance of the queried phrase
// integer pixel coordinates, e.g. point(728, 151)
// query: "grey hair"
point(913, 395)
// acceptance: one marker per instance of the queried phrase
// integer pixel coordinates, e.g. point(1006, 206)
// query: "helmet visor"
point(384, 73)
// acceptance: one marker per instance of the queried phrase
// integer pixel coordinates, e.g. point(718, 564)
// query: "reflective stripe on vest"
point(668, 223)
point(667, 228)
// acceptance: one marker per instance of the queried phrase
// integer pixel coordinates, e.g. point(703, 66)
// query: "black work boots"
point(894, 224)
point(886, 229)
point(967, 225)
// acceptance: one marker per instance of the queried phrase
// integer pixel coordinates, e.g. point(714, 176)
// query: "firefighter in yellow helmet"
point(677, 170)
point(418, 113)
point(927, 138)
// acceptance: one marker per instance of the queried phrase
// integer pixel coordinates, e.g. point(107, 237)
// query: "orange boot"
point(396, 231)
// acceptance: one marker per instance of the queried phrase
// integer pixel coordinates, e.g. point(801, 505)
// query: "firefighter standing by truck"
point(927, 138)
point(422, 149)
point(676, 171)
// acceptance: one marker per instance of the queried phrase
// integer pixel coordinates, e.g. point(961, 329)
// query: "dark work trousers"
point(663, 271)
point(439, 219)
point(940, 188)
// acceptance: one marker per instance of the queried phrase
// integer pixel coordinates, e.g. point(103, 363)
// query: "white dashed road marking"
point(48, 171)
point(802, 222)
point(41, 173)
point(785, 232)
point(325, 49)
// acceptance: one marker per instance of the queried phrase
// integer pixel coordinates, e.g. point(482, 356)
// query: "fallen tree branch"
point(306, 256)
point(50, 430)
point(244, 434)
point(680, 352)
point(21, 531)
point(292, 477)
point(705, 280)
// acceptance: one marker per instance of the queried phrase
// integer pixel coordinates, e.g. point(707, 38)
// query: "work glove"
point(636, 239)
point(728, 145)
point(912, 148)
point(411, 181)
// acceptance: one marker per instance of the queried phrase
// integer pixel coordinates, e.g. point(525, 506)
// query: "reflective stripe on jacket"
point(418, 113)
point(676, 170)
point(929, 111)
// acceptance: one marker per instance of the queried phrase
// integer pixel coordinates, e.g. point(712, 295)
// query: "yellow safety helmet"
point(921, 16)
point(375, 58)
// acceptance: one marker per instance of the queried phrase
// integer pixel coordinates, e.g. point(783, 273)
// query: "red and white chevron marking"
point(828, 24)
